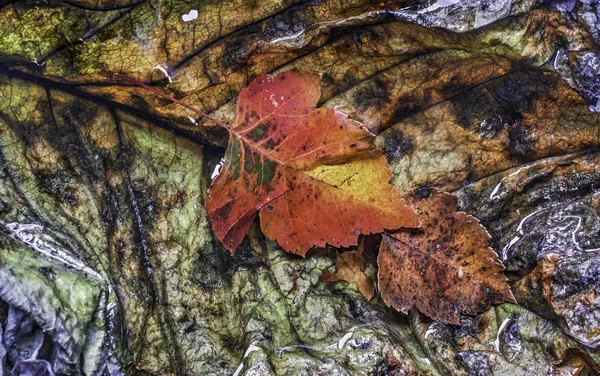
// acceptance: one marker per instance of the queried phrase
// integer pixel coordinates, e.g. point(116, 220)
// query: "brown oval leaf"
point(444, 268)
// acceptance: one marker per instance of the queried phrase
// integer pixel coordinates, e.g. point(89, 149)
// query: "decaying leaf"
point(112, 175)
point(444, 268)
point(312, 174)
point(349, 267)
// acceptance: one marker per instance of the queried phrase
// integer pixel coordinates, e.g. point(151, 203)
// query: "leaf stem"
point(168, 97)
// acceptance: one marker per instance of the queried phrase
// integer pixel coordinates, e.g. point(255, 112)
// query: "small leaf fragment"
point(313, 175)
point(349, 267)
point(444, 268)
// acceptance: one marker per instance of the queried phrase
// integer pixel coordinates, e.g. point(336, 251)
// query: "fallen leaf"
point(444, 268)
point(349, 267)
point(313, 174)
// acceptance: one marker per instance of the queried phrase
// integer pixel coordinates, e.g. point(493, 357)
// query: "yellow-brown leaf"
point(445, 268)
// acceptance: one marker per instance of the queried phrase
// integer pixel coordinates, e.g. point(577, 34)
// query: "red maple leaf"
point(313, 175)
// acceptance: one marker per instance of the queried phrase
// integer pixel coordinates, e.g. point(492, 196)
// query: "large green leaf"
point(104, 241)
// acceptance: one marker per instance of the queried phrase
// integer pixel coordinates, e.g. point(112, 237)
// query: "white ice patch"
point(34, 236)
point(596, 107)
point(500, 329)
point(217, 169)
point(289, 37)
point(432, 329)
point(163, 69)
point(192, 15)
point(574, 231)
point(496, 189)
point(515, 239)
point(524, 221)
point(273, 101)
point(439, 4)
point(240, 368)
point(508, 246)
point(344, 339)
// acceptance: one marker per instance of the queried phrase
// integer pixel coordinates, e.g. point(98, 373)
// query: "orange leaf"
point(313, 175)
point(444, 268)
point(349, 267)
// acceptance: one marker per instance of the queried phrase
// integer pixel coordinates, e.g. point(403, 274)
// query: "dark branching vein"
point(70, 241)
point(90, 249)
point(174, 100)
point(581, 153)
point(103, 9)
point(158, 303)
point(95, 32)
point(105, 101)
point(235, 31)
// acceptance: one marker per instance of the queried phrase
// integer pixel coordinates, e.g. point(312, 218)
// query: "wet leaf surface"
point(550, 242)
point(102, 186)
